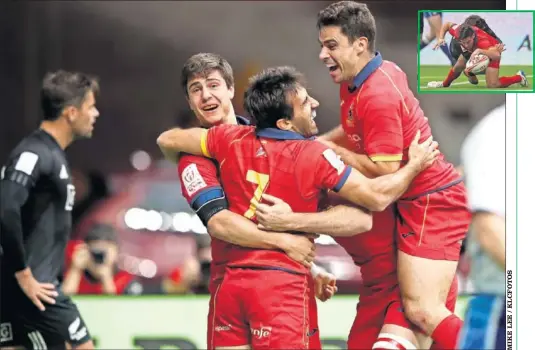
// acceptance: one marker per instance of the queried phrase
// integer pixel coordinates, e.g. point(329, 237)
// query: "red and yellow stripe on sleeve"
point(386, 157)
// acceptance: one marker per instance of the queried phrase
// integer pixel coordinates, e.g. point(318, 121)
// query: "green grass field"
point(429, 73)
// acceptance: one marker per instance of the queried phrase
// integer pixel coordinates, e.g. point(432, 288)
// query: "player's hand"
point(439, 43)
point(101, 272)
point(37, 292)
point(271, 217)
point(475, 53)
point(81, 257)
point(422, 155)
point(299, 247)
point(325, 286)
point(500, 47)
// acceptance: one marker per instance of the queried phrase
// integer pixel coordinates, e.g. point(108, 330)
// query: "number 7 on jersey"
point(262, 181)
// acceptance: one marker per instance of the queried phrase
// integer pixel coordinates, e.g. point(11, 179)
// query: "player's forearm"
point(489, 230)
point(338, 221)
point(169, 155)
point(335, 135)
point(386, 189)
point(491, 53)
point(71, 281)
point(11, 238)
point(233, 228)
point(108, 285)
point(444, 30)
point(361, 162)
point(181, 140)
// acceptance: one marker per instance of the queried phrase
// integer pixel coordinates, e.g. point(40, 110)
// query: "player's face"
point(83, 119)
point(304, 113)
point(210, 98)
point(468, 43)
point(339, 55)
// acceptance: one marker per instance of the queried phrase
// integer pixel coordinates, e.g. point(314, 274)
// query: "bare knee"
point(416, 312)
point(493, 84)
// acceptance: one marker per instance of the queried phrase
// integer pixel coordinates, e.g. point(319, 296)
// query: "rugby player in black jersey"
point(36, 200)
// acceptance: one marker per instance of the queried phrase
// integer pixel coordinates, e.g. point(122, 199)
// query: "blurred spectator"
point(92, 265)
point(193, 275)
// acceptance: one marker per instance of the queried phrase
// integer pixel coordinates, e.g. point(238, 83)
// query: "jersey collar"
point(278, 134)
point(365, 73)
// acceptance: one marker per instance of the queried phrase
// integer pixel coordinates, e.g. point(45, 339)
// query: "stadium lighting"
point(182, 222)
point(153, 220)
point(140, 160)
point(147, 268)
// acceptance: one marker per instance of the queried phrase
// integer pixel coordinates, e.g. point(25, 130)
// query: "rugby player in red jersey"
point(265, 289)
point(379, 117)
point(208, 83)
point(475, 41)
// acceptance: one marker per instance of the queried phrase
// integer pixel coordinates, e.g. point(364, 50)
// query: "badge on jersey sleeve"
point(192, 179)
point(334, 160)
point(27, 162)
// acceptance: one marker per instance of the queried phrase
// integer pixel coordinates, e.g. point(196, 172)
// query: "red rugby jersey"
point(380, 116)
point(281, 163)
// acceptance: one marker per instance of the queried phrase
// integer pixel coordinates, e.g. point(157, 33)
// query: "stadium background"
point(137, 49)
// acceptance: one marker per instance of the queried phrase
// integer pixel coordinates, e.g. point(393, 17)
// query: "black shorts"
point(456, 50)
point(22, 324)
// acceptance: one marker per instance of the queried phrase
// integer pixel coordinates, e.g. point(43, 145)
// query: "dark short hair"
point(267, 98)
point(101, 232)
point(63, 89)
point(204, 64)
point(465, 31)
point(478, 21)
point(354, 19)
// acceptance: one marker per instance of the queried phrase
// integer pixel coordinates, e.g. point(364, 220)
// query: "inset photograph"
point(475, 51)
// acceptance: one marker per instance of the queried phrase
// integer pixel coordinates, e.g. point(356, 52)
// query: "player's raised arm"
point(338, 221)
point(376, 194)
point(440, 38)
point(178, 140)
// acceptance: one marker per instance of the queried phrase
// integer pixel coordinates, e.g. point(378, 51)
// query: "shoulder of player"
point(380, 92)
point(185, 159)
point(311, 148)
point(33, 147)
point(205, 166)
point(384, 80)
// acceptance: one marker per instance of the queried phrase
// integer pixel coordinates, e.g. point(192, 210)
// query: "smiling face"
point(339, 54)
point(210, 98)
point(304, 112)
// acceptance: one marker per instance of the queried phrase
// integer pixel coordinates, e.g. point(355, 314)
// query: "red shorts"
point(383, 308)
point(267, 309)
point(433, 226)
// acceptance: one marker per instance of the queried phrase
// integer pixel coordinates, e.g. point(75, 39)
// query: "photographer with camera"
point(93, 265)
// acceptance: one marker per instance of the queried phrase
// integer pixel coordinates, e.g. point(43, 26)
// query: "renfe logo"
point(263, 332)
